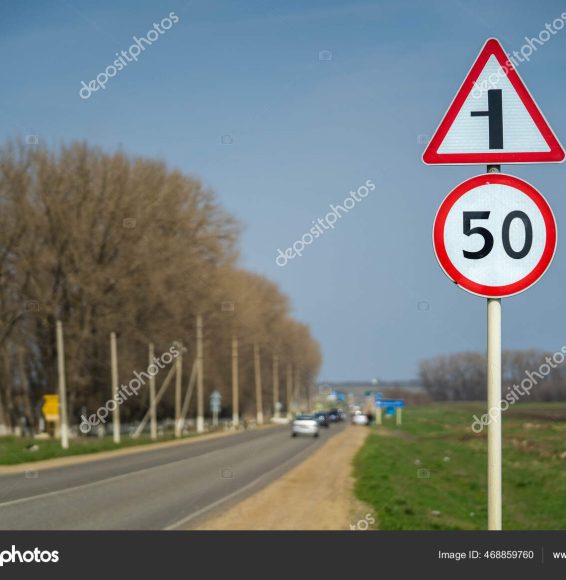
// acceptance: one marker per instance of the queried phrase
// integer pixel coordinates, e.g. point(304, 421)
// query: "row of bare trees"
point(463, 376)
point(108, 243)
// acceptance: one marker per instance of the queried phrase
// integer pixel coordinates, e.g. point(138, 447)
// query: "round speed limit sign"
point(494, 235)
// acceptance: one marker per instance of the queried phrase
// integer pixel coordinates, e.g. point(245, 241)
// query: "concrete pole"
point(152, 405)
point(189, 393)
point(235, 384)
point(289, 388)
point(297, 388)
point(200, 378)
point(158, 397)
point(178, 379)
point(494, 508)
point(114, 368)
point(258, 393)
point(62, 386)
point(276, 385)
point(398, 415)
point(378, 416)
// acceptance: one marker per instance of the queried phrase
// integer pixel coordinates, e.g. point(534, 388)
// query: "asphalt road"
point(170, 488)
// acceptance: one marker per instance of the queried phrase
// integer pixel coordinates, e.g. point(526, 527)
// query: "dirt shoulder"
point(315, 495)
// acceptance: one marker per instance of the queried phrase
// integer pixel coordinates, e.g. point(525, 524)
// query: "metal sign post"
point(494, 429)
point(493, 402)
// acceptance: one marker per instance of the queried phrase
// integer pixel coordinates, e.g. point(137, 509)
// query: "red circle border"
point(481, 289)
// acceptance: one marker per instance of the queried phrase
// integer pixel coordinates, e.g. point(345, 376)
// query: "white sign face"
point(494, 235)
point(493, 119)
point(473, 126)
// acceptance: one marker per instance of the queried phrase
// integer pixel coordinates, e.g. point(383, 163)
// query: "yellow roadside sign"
point(50, 407)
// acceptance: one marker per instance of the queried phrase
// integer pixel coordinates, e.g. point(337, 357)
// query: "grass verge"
point(16, 450)
point(431, 472)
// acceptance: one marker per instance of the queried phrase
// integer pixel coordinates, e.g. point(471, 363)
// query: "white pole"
point(296, 389)
point(189, 393)
point(152, 406)
point(178, 379)
point(289, 374)
point(378, 416)
point(276, 385)
point(258, 387)
point(158, 397)
point(62, 386)
point(200, 379)
point(493, 402)
point(235, 384)
point(494, 453)
point(114, 372)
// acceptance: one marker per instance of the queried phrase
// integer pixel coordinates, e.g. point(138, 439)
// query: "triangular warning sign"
point(493, 119)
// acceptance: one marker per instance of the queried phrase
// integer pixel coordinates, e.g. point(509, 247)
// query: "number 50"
point(488, 236)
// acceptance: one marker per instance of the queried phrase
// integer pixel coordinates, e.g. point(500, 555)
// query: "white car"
point(305, 425)
point(359, 419)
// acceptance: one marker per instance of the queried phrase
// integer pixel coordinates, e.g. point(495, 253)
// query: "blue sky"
point(303, 132)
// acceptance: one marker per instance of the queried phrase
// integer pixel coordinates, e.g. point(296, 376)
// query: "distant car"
point(305, 425)
point(359, 419)
point(335, 415)
point(322, 418)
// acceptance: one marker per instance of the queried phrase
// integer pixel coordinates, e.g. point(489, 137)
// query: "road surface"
point(167, 488)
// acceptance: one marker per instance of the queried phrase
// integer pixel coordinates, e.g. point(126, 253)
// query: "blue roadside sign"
point(215, 399)
point(390, 403)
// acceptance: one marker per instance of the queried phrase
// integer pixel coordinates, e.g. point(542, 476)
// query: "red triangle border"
point(431, 155)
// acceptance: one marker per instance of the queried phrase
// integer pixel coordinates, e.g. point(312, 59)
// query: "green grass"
point(13, 449)
point(452, 493)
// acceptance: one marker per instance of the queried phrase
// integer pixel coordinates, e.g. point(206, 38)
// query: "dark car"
point(334, 415)
point(322, 418)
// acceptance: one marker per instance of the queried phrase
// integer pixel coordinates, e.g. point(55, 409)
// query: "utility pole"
point(200, 379)
point(276, 385)
point(116, 410)
point(297, 388)
point(158, 397)
point(289, 388)
point(62, 387)
point(235, 384)
point(258, 393)
point(178, 378)
point(152, 406)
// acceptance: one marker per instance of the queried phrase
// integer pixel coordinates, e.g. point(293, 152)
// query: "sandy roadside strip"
point(315, 495)
point(100, 455)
